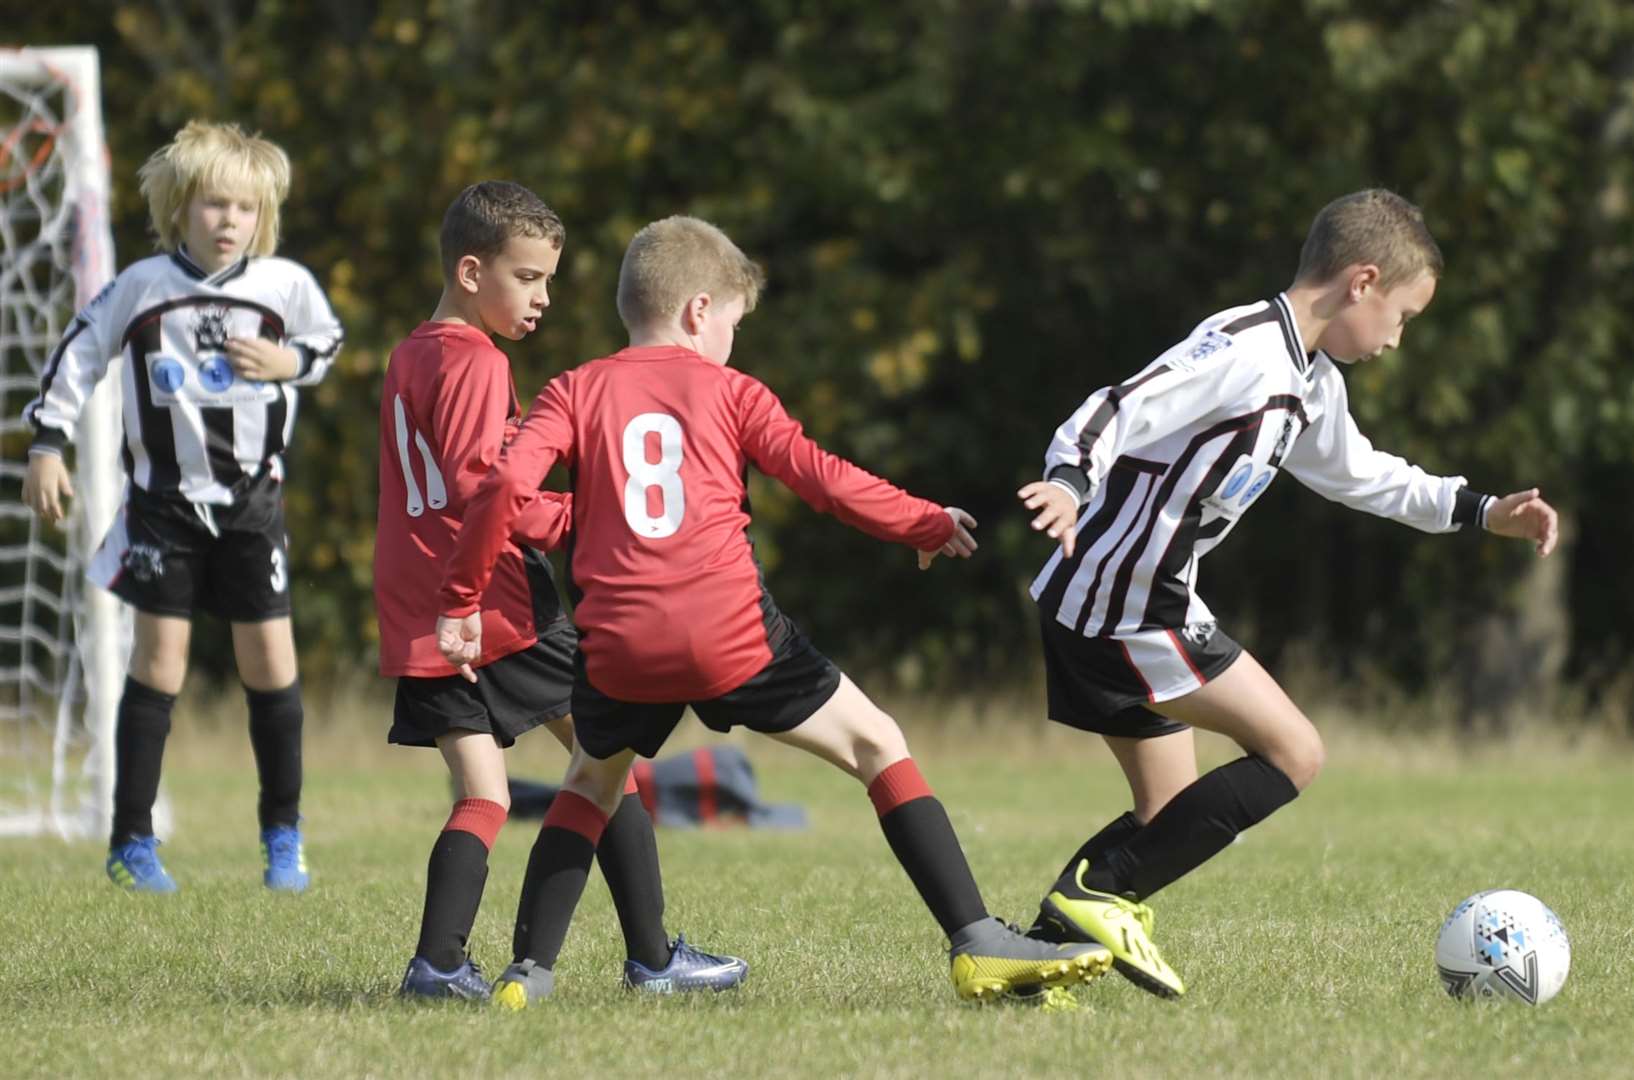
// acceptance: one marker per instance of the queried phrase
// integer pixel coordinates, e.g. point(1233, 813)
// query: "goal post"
point(62, 640)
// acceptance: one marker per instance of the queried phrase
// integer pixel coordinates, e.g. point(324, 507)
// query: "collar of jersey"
point(193, 270)
point(647, 354)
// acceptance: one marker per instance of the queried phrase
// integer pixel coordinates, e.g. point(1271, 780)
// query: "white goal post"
point(62, 640)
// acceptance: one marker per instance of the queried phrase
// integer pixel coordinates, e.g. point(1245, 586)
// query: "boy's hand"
point(47, 487)
point(460, 641)
point(1526, 516)
point(1057, 512)
point(961, 545)
point(261, 360)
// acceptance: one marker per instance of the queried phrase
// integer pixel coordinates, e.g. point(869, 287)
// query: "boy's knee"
point(1303, 759)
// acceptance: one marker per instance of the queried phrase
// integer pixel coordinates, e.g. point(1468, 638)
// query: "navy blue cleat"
point(465, 982)
point(135, 865)
point(688, 969)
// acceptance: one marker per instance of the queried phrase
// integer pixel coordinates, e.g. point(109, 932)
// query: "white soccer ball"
point(1503, 944)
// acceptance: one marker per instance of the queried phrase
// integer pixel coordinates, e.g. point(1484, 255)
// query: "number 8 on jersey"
point(664, 474)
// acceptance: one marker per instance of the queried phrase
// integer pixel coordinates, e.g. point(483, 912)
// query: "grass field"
point(1307, 947)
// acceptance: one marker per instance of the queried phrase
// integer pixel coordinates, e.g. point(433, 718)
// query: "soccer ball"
point(1503, 943)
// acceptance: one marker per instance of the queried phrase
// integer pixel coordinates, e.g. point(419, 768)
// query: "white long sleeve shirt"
point(193, 426)
point(1165, 464)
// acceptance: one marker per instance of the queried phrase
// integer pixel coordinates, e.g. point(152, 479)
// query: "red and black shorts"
point(794, 684)
point(1107, 685)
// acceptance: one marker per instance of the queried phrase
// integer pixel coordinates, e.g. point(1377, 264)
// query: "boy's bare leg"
point(265, 654)
point(158, 665)
point(1285, 753)
point(628, 854)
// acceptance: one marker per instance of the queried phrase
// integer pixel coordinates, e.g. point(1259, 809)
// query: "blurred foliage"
point(973, 214)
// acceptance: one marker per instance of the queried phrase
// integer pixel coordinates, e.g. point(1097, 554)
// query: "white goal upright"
point(62, 640)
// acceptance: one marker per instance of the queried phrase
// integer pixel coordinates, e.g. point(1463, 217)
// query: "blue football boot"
point(135, 865)
point(465, 982)
point(688, 969)
point(285, 859)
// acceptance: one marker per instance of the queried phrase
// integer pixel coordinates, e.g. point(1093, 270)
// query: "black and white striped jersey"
point(193, 426)
point(1166, 463)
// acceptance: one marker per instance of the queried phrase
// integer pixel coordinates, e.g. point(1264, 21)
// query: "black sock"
point(922, 838)
point(1116, 832)
point(628, 854)
point(275, 735)
point(455, 875)
point(139, 750)
point(1190, 830)
point(557, 870)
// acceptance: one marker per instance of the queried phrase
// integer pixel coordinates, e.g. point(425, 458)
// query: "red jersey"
point(447, 408)
point(658, 440)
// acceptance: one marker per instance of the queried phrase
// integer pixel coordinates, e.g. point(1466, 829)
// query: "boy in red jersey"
point(447, 407)
point(672, 611)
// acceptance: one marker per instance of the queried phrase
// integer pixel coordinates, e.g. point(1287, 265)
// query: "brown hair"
point(673, 260)
point(484, 216)
point(1373, 226)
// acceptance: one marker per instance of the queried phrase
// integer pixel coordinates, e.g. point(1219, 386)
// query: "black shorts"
point(166, 555)
point(512, 696)
point(1105, 685)
point(796, 682)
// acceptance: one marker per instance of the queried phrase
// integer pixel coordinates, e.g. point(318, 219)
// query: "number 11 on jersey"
point(664, 474)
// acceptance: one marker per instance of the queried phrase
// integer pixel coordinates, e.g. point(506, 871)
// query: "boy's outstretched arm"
point(1525, 516)
point(778, 446)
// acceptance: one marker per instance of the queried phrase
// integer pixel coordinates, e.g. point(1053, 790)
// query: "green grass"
point(1307, 947)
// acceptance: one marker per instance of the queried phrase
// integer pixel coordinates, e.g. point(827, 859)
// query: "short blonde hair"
point(673, 260)
point(1373, 226)
point(217, 158)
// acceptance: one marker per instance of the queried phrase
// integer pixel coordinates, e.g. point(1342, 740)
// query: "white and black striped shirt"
point(1164, 464)
point(193, 426)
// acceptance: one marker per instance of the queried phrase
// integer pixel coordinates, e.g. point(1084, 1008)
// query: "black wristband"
point(1469, 507)
point(1073, 477)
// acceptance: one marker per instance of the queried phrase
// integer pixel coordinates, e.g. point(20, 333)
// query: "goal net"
point(62, 641)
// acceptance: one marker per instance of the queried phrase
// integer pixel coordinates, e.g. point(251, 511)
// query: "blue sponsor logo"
point(168, 374)
point(1258, 486)
point(216, 374)
point(1238, 479)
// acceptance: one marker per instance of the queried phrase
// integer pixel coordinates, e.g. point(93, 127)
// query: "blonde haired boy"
point(673, 610)
point(217, 334)
point(1149, 476)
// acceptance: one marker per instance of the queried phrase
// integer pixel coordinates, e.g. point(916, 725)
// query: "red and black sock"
point(454, 879)
point(139, 751)
point(275, 735)
point(922, 838)
point(628, 854)
point(557, 870)
point(1195, 825)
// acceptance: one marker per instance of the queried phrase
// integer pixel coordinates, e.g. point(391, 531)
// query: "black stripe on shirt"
point(1290, 335)
point(1168, 598)
point(53, 364)
point(1248, 322)
point(1100, 571)
point(1126, 573)
point(218, 446)
point(1119, 483)
point(155, 426)
point(1108, 409)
